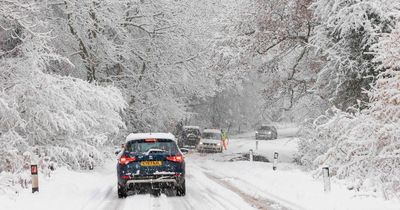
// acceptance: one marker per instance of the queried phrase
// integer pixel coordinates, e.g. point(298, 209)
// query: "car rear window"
point(215, 136)
point(191, 130)
point(155, 145)
point(266, 128)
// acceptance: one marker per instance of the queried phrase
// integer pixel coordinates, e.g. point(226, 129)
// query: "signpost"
point(35, 179)
point(256, 144)
point(275, 163)
point(327, 181)
point(251, 155)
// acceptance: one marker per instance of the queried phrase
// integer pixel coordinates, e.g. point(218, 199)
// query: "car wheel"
point(170, 191)
point(181, 189)
point(156, 192)
point(121, 192)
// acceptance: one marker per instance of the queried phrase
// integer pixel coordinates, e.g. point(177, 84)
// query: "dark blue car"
point(151, 163)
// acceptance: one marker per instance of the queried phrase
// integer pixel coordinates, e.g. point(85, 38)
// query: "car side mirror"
point(117, 152)
point(184, 150)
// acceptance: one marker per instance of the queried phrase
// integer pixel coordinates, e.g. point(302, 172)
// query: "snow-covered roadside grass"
point(65, 189)
point(292, 187)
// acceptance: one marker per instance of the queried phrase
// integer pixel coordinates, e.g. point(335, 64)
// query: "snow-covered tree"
point(42, 113)
point(345, 32)
point(155, 52)
point(285, 61)
point(57, 113)
point(230, 31)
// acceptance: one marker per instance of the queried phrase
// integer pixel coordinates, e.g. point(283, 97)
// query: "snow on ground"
point(65, 190)
point(213, 182)
point(290, 187)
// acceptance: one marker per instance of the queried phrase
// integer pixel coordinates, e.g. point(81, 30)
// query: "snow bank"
point(292, 187)
point(362, 147)
point(65, 190)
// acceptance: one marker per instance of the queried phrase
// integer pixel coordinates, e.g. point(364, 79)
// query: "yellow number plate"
point(151, 163)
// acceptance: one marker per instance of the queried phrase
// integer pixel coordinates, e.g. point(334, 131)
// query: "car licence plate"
point(150, 163)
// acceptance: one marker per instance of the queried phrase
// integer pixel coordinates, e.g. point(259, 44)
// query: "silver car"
point(266, 132)
point(210, 141)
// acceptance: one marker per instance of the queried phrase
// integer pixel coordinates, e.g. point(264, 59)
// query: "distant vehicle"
point(210, 141)
point(190, 136)
point(151, 163)
point(266, 132)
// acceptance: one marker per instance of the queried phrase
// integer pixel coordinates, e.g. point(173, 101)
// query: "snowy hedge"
point(65, 118)
point(358, 147)
point(363, 146)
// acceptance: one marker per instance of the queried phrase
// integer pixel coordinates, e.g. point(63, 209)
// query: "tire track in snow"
point(111, 200)
point(205, 193)
point(104, 196)
point(259, 203)
point(272, 201)
point(271, 196)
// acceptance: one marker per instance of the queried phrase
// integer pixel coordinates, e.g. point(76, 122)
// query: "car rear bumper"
point(191, 142)
point(264, 136)
point(209, 148)
point(152, 181)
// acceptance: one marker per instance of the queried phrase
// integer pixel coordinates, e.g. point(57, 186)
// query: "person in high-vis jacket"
point(224, 139)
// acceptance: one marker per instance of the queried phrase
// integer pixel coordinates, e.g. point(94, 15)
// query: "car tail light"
point(125, 177)
point(126, 160)
point(175, 158)
point(177, 174)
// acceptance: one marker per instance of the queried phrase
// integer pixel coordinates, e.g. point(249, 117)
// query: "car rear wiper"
point(154, 150)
